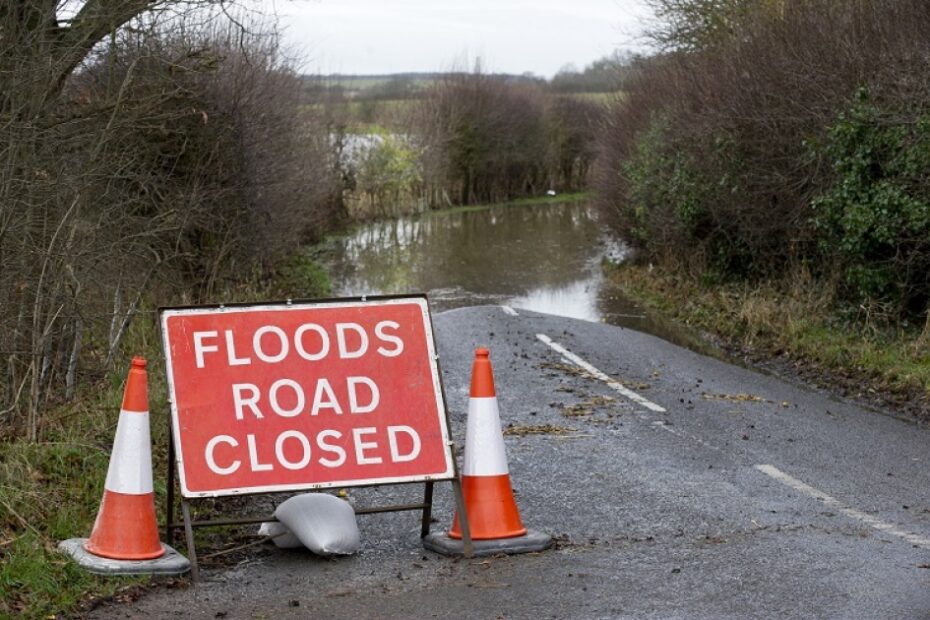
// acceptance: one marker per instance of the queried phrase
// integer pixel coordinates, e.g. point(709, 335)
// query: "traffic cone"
point(125, 528)
point(493, 518)
point(492, 510)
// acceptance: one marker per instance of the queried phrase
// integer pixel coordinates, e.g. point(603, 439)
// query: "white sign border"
point(420, 301)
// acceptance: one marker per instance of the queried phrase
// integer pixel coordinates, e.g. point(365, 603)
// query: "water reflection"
point(462, 258)
point(577, 300)
point(544, 257)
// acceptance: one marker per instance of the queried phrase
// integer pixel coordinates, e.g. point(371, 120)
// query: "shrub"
point(729, 153)
point(387, 175)
point(483, 138)
point(572, 124)
point(665, 189)
point(173, 165)
point(874, 219)
point(488, 138)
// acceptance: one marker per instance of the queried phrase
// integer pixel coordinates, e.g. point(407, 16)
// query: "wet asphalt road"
point(746, 497)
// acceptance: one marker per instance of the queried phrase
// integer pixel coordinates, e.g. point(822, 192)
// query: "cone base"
point(125, 528)
point(456, 532)
point(492, 511)
point(104, 553)
point(171, 563)
point(531, 542)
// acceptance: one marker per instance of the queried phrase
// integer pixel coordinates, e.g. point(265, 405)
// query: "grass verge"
point(50, 490)
point(794, 325)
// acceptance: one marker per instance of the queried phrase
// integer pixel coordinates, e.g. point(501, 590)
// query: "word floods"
point(306, 395)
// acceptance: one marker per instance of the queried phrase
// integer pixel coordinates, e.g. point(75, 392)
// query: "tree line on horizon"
point(603, 75)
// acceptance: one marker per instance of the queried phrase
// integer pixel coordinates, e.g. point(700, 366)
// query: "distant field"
point(366, 85)
point(368, 82)
point(388, 114)
point(356, 82)
point(605, 98)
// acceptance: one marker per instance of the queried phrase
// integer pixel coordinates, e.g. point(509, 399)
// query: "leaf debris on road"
point(738, 398)
point(520, 430)
point(586, 407)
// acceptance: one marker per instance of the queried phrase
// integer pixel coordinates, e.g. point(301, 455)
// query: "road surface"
point(678, 486)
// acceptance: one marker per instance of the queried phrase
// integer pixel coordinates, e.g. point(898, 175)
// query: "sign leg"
point(467, 547)
point(189, 535)
point(427, 509)
point(169, 508)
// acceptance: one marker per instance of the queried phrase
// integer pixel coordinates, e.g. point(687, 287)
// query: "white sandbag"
point(324, 523)
point(282, 537)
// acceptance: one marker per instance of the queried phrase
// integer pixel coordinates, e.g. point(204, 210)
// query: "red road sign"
point(281, 397)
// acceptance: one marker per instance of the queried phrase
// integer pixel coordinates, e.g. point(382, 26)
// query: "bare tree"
point(50, 38)
point(691, 25)
point(173, 164)
point(485, 137)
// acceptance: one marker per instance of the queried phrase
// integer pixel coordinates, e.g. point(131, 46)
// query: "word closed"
point(306, 395)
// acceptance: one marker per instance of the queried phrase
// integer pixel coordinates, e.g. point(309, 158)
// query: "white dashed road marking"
point(509, 310)
point(611, 383)
point(769, 470)
point(874, 522)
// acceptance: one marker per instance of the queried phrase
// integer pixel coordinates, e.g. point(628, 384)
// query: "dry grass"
point(796, 319)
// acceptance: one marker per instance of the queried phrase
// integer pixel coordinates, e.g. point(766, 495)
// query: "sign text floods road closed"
point(305, 395)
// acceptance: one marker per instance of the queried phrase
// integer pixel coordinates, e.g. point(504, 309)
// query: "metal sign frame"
point(426, 506)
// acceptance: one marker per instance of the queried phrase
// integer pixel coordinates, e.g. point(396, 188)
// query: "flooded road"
point(546, 258)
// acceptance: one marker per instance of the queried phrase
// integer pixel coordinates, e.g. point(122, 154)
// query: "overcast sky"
point(512, 36)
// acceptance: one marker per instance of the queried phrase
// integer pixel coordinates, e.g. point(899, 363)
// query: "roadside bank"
point(50, 489)
point(792, 329)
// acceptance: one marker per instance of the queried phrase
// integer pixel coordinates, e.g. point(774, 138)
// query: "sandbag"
point(282, 537)
point(324, 523)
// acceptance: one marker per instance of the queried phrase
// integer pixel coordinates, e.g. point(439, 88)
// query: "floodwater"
point(548, 258)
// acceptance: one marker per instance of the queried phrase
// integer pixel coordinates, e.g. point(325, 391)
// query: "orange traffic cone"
point(125, 528)
point(492, 510)
point(493, 518)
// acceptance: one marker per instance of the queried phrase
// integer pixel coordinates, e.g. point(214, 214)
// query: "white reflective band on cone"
point(130, 469)
point(484, 442)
